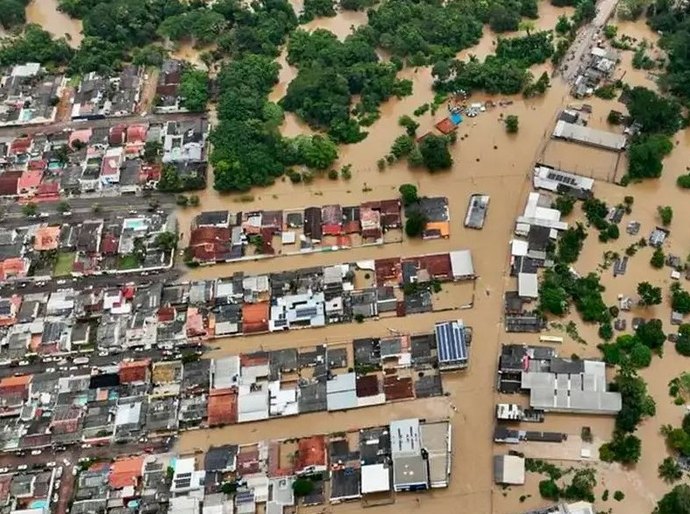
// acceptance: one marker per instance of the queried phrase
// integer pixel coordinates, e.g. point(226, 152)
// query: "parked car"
point(22, 467)
point(51, 464)
point(36, 452)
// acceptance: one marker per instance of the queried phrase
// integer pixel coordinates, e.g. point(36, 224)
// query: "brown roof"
point(397, 388)
point(204, 235)
point(388, 271)
point(255, 317)
point(222, 407)
point(311, 451)
point(368, 385)
point(438, 265)
point(9, 181)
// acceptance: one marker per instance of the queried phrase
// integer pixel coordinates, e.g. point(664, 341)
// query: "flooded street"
point(486, 160)
point(46, 14)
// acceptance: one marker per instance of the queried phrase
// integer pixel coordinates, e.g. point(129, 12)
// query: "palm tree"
point(669, 470)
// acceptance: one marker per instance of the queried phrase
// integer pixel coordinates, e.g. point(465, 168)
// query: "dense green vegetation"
point(12, 13)
point(505, 73)
point(677, 501)
point(35, 45)
point(171, 182)
point(683, 341)
point(194, 90)
point(330, 73)
point(580, 488)
point(560, 287)
point(425, 32)
point(317, 8)
point(637, 404)
point(247, 144)
point(627, 350)
point(659, 117)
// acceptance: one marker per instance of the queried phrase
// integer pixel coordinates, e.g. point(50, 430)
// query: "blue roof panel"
point(450, 342)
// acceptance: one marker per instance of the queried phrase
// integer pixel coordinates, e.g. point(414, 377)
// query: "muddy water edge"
point(46, 14)
point(489, 161)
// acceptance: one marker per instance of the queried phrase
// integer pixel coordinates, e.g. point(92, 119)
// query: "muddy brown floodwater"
point(490, 161)
point(46, 14)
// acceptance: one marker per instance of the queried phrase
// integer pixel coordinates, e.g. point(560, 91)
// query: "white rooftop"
point(376, 478)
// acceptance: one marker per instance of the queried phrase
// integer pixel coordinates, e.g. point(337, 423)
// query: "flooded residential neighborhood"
point(506, 333)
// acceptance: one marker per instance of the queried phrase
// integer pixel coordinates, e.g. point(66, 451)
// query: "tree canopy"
point(435, 153)
point(35, 45)
point(331, 72)
point(194, 90)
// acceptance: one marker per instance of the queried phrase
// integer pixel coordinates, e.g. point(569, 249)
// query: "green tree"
point(435, 154)
point(623, 448)
point(656, 114)
point(35, 45)
point(194, 90)
point(669, 470)
point(645, 156)
point(680, 299)
point(167, 241)
point(302, 487)
point(316, 9)
point(658, 259)
point(640, 356)
point(651, 334)
point(512, 124)
point(683, 341)
point(562, 25)
point(29, 209)
point(564, 203)
point(415, 158)
point(402, 146)
point(415, 224)
point(12, 13)
point(549, 490)
point(408, 193)
point(316, 151)
point(677, 501)
point(666, 214)
point(570, 244)
point(63, 206)
point(409, 124)
point(649, 294)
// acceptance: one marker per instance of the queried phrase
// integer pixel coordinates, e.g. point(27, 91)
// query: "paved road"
point(107, 122)
point(83, 208)
point(171, 275)
point(576, 59)
point(95, 360)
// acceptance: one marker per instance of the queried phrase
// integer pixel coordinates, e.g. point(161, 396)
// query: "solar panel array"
point(450, 341)
point(183, 480)
point(561, 178)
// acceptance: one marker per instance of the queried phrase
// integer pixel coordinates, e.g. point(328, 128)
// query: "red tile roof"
point(255, 317)
point(125, 472)
point(136, 133)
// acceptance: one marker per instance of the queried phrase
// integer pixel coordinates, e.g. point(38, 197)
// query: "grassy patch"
point(127, 262)
point(63, 265)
